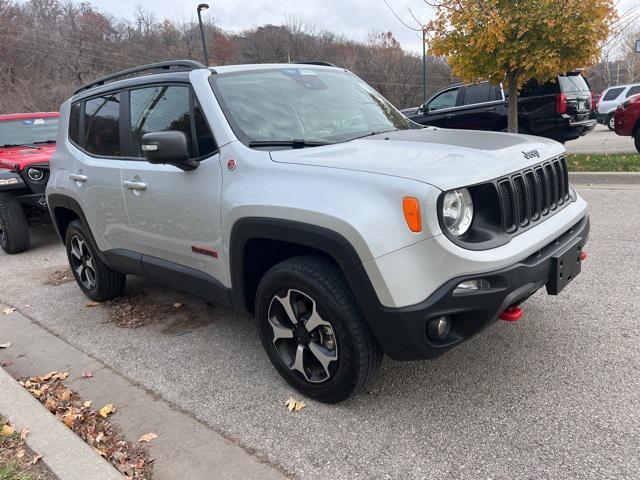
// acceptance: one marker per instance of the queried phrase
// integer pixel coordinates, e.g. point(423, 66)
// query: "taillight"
point(594, 101)
point(561, 104)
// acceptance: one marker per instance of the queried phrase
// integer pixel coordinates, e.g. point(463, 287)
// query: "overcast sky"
point(352, 18)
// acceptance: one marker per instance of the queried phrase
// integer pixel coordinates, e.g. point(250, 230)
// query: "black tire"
point(107, 283)
point(358, 356)
point(637, 139)
point(14, 228)
point(610, 122)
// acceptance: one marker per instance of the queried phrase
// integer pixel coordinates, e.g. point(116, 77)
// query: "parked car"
point(611, 99)
point(27, 140)
point(559, 109)
point(627, 119)
point(299, 194)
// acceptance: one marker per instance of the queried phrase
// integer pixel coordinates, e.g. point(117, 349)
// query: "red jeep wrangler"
point(27, 141)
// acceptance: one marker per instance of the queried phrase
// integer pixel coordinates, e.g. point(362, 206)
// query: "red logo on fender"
point(204, 251)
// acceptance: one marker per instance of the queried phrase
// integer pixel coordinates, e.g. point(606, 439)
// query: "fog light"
point(439, 328)
point(35, 174)
point(471, 286)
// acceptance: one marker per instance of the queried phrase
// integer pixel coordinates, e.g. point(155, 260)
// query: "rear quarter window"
point(101, 125)
point(74, 123)
point(633, 91)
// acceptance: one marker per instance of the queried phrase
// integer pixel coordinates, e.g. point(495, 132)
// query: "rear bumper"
point(575, 130)
point(402, 332)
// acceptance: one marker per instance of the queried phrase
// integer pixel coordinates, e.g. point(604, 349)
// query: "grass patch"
point(603, 163)
point(13, 471)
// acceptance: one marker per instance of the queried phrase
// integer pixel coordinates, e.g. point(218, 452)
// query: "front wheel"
point(96, 279)
point(611, 122)
point(313, 330)
point(14, 227)
point(637, 139)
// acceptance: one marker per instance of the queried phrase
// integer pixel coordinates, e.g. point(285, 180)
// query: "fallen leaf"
point(23, 434)
point(107, 410)
point(5, 345)
point(60, 375)
point(68, 420)
point(6, 363)
point(8, 311)
point(36, 392)
point(294, 405)
point(66, 395)
point(99, 437)
point(92, 304)
point(99, 452)
point(87, 404)
point(7, 430)
point(147, 437)
point(49, 375)
point(178, 305)
point(35, 459)
point(87, 375)
point(27, 305)
point(20, 453)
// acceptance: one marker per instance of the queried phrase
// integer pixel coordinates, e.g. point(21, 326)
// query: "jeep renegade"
point(297, 193)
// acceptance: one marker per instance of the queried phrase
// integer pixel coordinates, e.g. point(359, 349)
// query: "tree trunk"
point(513, 104)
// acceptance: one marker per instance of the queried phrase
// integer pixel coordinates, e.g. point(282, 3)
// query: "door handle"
point(78, 177)
point(131, 185)
point(491, 109)
point(450, 115)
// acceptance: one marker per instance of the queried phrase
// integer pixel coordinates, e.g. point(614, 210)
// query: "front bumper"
point(402, 332)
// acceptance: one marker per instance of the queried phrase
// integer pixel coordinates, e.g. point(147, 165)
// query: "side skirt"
point(171, 274)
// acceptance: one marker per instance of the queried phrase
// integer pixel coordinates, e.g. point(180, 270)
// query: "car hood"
point(443, 158)
point(17, 158)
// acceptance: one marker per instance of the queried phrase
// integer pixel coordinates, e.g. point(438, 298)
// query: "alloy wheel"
point(305, 342)
point(82, 262)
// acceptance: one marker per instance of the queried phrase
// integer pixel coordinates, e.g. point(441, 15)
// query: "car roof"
point(29, 115)
point(623, 86)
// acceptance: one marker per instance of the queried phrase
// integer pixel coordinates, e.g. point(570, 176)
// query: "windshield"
point(573, 83)
point(306, 104)
point(28, 131)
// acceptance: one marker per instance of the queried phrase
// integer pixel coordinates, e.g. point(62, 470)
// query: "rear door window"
point(612, 94)
point(573, 84)
point(474, 94)
point(633, 91)
point(102, 128)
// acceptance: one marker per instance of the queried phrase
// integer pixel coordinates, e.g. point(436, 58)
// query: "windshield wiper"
point(287, 143)
point(10, 145)
point(375, 132)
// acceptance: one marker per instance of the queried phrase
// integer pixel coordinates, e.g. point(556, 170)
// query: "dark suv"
point(560, 109)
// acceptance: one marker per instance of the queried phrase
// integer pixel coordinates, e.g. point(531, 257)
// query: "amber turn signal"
point(411, 209)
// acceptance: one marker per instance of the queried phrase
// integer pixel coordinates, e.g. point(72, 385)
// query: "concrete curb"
point(607, 178)
point(66, 455)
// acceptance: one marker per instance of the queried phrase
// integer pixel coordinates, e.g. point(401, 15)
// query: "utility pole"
point(424, 65)
point(203, 6)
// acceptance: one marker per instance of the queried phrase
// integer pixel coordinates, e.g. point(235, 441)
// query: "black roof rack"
point(321, 64)
point(180, 65)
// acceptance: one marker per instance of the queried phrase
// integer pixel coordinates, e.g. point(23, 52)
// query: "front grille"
point(533, 194)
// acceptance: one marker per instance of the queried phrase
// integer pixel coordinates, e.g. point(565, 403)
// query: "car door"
point(481, 107)
point(439, 110)
point(96, 177)
point(174, 215)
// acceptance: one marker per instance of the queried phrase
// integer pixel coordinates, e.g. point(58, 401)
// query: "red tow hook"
point(512, 314)
point(583, 256)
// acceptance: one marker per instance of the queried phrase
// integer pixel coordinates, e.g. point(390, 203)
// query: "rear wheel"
point(637, 139)
point(611, 122)
point(313, 330)
point(96, 280)
point(14, 228)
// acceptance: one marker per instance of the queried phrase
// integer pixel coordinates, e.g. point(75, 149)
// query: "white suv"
point(297, 193)
point(611, 99)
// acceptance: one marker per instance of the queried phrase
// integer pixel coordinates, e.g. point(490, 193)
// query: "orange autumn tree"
point(512, 41)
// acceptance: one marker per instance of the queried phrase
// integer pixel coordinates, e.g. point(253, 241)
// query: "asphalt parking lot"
point(555, 396)
point(601, 140)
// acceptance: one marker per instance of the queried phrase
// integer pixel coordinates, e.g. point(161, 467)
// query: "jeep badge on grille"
point(531, 154)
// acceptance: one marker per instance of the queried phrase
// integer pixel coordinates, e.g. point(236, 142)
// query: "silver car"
point(297, 193)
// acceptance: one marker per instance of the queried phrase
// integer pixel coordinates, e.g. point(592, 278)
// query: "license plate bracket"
point(565, 266)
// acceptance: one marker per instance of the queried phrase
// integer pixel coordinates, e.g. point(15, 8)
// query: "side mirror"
point(169, 148)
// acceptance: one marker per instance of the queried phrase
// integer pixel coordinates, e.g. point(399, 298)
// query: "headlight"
point(457, 211)
point(35, 174)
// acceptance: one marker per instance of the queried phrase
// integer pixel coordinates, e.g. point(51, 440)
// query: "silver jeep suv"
point(297, 193)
